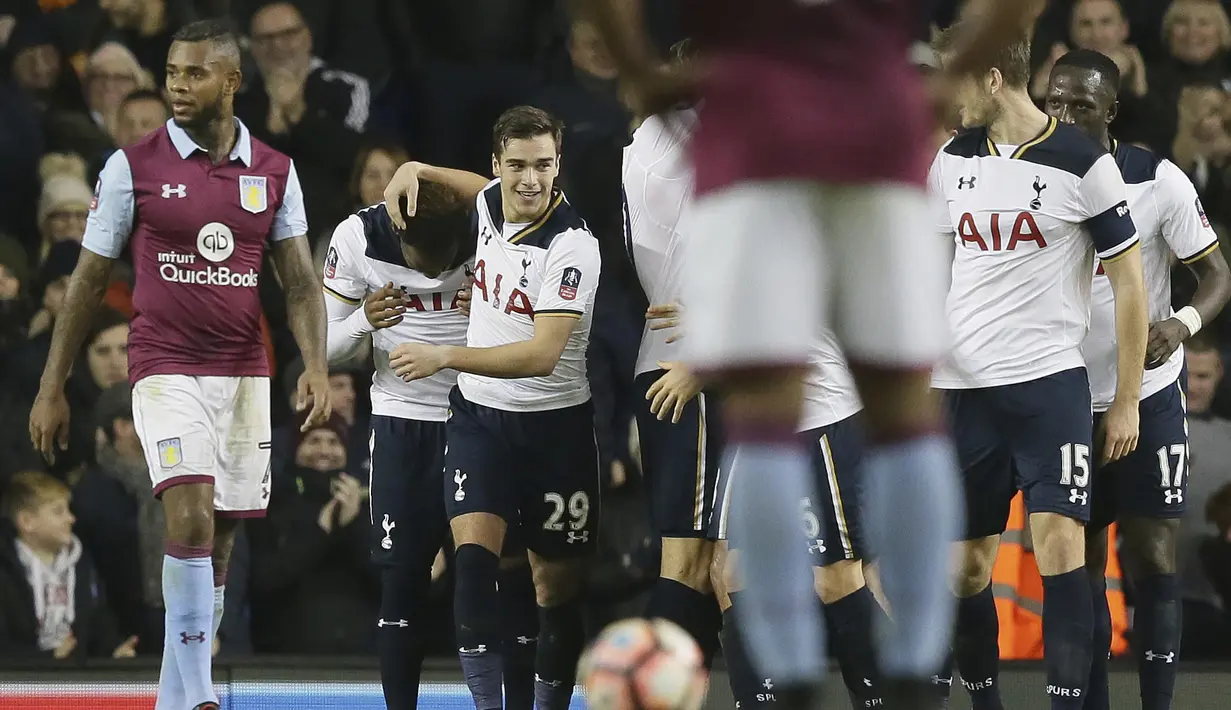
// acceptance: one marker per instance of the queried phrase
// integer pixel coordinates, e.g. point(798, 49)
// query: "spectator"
point(1201, 146)
point(15, 305)
point(313, 588)
point(52, 604)
point(39, 68)
point(1216, 558)
point(112, 73)
point(1209, 469)
point(1196, 37)
point(65, 201)
point(141, 113)
point(303, 107)
point(145, 28)
point(118, 520)
point(374, 167)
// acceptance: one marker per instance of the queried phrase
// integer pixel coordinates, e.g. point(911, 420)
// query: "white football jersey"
point(1026, 222)
point(658, 187)
point(829, 392)
point(549, 266)
point(1170, 220)
point(364, 255)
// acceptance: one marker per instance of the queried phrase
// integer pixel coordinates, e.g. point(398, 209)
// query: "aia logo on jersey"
point(331, 263)
point(989, 238)
point(569, 283)
point(1205, 221)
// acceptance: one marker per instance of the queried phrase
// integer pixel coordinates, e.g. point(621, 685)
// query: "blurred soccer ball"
point(637, 664)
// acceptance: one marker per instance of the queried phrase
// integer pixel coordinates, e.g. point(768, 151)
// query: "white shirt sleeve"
point(110, 222)
point(290, 220)
point(570, 276)
point(1102, 200)
point(942, 221)
point(345, 288)
point(1185, 226)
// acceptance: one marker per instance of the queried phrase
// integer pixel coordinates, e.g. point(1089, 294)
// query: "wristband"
point(1190, 318)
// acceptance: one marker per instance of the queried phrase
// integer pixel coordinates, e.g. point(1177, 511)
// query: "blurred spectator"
point(141, 113)
point(1099, 25)
point(112, 73)
point(1196, 37)
point(39, 68)
point(1201, 146)
point(375, 165)
point(345, 405)
point(119, 521)
point(305, 108)
point(51, 603)
point(106, 350)
point(347, 34)
point(22, 140)
point(145, 28)
point(65, 201)
point(1209, 469)
point(313, 588)
point(1216, 562)
point(15, 304)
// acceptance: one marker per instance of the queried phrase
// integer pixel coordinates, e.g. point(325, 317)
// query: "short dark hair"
point(143, 95)
point(521, 122)
point(220, 31)
point(1091, 60)
point(440, 222)
point(1012, 59)
point(28, 490)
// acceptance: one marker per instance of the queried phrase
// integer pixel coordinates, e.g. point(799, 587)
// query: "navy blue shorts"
point(680, 462)
point(831, 523)
point(1152, 481)
point(536, 470)
point(408, 518)
point(1031, 436)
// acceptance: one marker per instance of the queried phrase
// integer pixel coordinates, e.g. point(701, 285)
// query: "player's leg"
point(680, 463)
point(988, 489)
point(1150, 496)
point(1052, 429)
point(408, 528)
point(479, 502)
point(834, 536)
point(891, 322)
point(520, 623)
point(173, 423)
point(560, 508)
point(1102, 513)
point(760, 236)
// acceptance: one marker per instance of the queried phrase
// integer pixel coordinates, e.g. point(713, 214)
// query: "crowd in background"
point(350, 89)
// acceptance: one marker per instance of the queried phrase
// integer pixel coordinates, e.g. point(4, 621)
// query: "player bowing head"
point(980, 93)
point(432, 239)
point(203, 73)
point(526, 157)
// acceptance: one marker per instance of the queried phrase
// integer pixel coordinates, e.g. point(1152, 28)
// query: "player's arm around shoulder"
point(405, 186)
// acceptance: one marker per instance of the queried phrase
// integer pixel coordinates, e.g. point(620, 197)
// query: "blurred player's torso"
point(658, 186)
point(366, 257)
point(511, 265)
point(1019, 302)
point(1170, 220)
point(818, 90)
point(198, 240)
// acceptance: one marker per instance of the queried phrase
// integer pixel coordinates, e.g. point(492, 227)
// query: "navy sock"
point(976, 648)
point(1098, 692)
point(748, 687)
point(1068, 637)
point(520, 615)
point(1157, 626)
point(476, 610)
point(695, 612)
point(942, 682)
point(561, 640)
point(399, 636)
point(851, 621)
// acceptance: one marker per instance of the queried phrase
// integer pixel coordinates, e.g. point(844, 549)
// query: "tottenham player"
point(1144, 492)
point(839, 203)
point(521, 429)
point(200, 200)
point(1029, 203)
point(400, 286)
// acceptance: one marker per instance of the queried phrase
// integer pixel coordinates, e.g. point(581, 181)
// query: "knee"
point(688, 562)
point(483, 529)
point(1150, 545)
point(556, 583)
point(839, 580)
point(1059, 543)
point(974, 570)
point(190, 525)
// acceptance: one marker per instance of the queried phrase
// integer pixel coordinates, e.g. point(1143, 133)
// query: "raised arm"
point(405, 184)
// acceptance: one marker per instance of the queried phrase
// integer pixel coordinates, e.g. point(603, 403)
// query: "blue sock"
point(914, 511)
point(1068, 637)
point(188, 593)
point(1098, 691)
point(1157, 625)
point(778, 613)
point(170, 688)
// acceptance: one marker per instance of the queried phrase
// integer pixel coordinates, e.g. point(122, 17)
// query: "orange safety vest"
point(1018, 589)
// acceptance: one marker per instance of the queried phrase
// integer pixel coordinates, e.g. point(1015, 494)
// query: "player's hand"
point(349, 495)
point(384, 306)
point(1119, 431)
point(414, 361)
point(66, 647)
point(405, 183)
point(665, 317)
point(463, 296)
point(671, 392)
point(312, 390)
point(49, 423)
point(128, 649)
point(1166, 336)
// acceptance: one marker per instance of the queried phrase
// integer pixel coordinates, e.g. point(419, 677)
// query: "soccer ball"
point(637, 664)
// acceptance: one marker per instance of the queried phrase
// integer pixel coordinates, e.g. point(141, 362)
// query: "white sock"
point(187, 591)
point(170, 689)
point(219, 603)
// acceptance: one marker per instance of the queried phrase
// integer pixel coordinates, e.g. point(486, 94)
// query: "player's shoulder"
point(1063, 147)
point(970, 142)
point(266, 158)
point(153, 146)
point(1137, 164)
point(377, 236)
point(560, 224)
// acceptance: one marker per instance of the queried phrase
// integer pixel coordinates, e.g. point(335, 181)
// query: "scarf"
point(134, 476)
point(54, 588)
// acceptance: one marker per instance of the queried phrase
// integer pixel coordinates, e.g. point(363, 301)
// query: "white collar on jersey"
point(186, 146)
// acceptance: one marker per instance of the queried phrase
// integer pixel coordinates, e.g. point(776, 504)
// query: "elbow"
point(543, 364)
